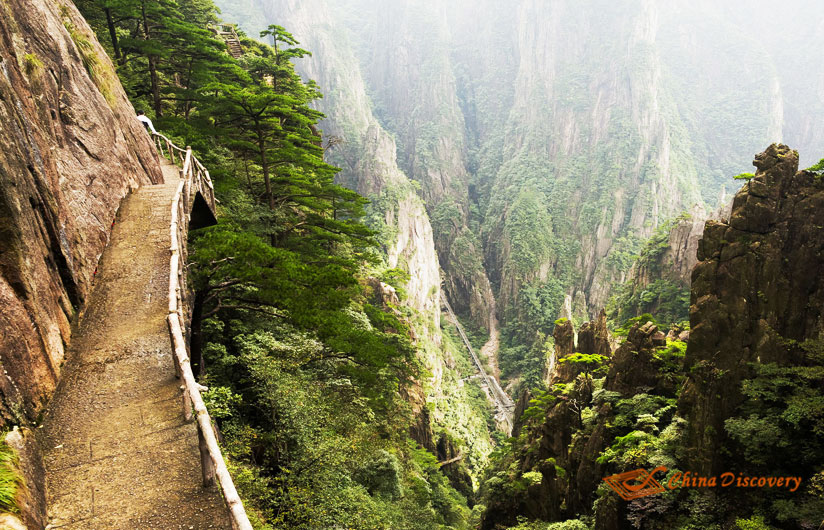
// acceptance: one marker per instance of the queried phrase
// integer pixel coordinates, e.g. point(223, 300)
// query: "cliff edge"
point(757, 294)
point(70, 151)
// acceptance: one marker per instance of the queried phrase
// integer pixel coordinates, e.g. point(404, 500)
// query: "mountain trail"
point(118, 453)
point(489, 351)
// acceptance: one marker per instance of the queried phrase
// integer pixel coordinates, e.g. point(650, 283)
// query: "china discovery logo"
point(636, 483)
point(641, 483)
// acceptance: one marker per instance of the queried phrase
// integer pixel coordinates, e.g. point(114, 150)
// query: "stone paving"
point(118, 452)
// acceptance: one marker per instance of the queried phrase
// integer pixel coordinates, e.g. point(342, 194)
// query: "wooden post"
point(187, 402)
point(187, 179)
point(206, 464)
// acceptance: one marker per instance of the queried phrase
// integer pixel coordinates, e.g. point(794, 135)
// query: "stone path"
point(118, 452)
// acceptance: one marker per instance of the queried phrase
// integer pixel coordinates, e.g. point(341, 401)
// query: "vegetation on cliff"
point(312, 359)
point(10, 478)
point(663, 295)
point(581, 431)
point(550, 139)
point(743, 399)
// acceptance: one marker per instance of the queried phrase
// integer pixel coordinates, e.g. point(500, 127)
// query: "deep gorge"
point(573, 178)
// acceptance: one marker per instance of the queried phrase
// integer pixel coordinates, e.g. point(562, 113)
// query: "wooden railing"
point(193, 172)
point(194, 177)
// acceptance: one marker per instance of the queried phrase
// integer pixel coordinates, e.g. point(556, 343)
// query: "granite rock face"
point(568, 461)
point(592, 338)
point(70, 150)
point(756, 293)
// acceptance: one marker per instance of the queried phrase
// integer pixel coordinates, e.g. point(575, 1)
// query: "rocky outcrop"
point(755, 300)
point(592, 338)
point(564, 337)
point(659, 281)
point(677, 256)
point(521, 405)
point(756, 294)
point(70, 150)
point(633, 368)
point(560, 446)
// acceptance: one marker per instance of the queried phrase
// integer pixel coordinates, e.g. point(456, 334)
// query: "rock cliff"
point(757, 294)
point(742, 396)
point(70, 150)
point(677, 258)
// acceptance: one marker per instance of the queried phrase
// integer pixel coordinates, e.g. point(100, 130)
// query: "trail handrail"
point(502, 401)
point(193, 171)
point(211, 459)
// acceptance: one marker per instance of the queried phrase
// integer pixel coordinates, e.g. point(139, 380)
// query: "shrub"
point(10, 478)
point(382, 475)
point(533, 477)
point(756, 522)
point(32, 65)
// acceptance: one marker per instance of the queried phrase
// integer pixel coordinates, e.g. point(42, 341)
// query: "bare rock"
point(520, 407)
point(557, 371)
point(634, 367)
point(593, 337)
point(756, 293)
point(11, 522)
point(70, 150)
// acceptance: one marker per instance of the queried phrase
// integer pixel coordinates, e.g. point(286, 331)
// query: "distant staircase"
point(228, 34)
point(504, 406)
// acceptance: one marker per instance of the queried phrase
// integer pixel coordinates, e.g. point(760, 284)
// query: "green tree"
point(587, 362)
point(164, 49)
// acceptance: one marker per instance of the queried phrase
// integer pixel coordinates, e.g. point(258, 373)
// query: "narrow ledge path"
point(118, 453)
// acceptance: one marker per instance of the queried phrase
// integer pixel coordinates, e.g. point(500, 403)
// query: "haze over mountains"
point(548, 139)
point(559, 172)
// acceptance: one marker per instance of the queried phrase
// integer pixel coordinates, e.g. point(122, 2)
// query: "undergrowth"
point(10, 478)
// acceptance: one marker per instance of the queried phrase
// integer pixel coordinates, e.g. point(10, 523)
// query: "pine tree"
point(164, 49)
